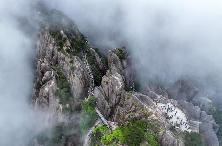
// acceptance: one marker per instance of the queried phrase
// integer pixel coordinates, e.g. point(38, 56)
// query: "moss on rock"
point(121, 53)
point(89, 114)
point(64, 91)
point(132, 133)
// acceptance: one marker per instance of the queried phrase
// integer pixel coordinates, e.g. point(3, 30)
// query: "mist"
point(169, 40)
point(19, 122)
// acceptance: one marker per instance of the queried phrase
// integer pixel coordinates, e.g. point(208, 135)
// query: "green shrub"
point(98, 132)
point(64, 91)
point(89, 104)
point(89, 114)
point(151, 139)
point(97, 73)
point(59, 39)
point(121, 53)
point(116, 136)
point(132, 134)
point(78, 43)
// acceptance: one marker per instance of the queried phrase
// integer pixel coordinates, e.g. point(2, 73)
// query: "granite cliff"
point(93, 98)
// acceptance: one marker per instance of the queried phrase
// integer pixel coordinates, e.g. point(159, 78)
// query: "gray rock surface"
point(118, 105)
point(61, 46)
point(207, 123)
point(204, 103)
point(112, 99)
point(62, 62)
point(168, 139)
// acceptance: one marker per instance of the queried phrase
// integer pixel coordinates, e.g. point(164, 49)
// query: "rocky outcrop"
point(121, 62)
point(207, 124)
point(167, 139)
point(68, 70)
point(197, 108)
point(113, 100)
point(120, 106)
point(65, 72)
point(49, 61)
point(61, 46)
point(207, 129)
point(109, 93)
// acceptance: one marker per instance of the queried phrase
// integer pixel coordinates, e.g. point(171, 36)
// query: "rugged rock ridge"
point(68, 51)
point(112, 94)
point(207, 124)
point(120, 106)
point(65, 71)
point(68, 71)
point(198, 108)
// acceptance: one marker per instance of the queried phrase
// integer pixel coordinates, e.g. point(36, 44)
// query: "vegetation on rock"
point(64, 92)
point(79, 47)
point(132, 133)
point(79, 44)
point(121, 53)
point(89, 114)
point(97, 73)
point(60, 40)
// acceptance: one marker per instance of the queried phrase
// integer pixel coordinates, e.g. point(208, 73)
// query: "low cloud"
point(19, 122)
point(168, 39)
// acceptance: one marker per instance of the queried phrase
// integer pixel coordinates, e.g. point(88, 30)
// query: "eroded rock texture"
point(64, 73)
point(68, 70)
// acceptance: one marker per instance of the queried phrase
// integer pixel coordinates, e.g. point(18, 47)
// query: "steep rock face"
point(49, 60)
point(62, 47)
point(120, 61)
point(197, 108)
point(112, 90)
point(109, 92)
point(120, 106)
point(66, 71)
point(207, 128)
point(44, 76)
point(112, 99)
point(207, 124)
point(168, 139)
point(115, 65)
